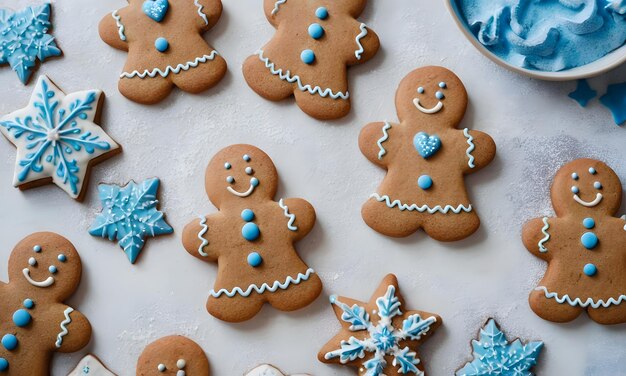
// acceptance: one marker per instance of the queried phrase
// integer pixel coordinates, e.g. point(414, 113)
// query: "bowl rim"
point(581, 72)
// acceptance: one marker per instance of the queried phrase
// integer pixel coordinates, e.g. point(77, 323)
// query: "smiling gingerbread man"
point(251, 238)
point(44, 270)
point(426, 158)
point(584, 245)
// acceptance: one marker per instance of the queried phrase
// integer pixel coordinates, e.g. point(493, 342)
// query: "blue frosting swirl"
point(547, 35)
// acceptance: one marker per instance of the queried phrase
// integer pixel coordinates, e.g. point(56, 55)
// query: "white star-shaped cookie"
point(90, 366)
point(268, 370)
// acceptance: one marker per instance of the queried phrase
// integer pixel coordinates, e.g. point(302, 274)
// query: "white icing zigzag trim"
point(264, 287)
point(578, 302)
point(120, 25)
point(421, 209)
point(384, 138)
point(200, 13)
point(470, 149)
point(543, 241)
point(205, 242)
point(64, 330)
point(359, 52)
point(169, 69)
point(277, 5)
point(292, 217)
point(291, 79)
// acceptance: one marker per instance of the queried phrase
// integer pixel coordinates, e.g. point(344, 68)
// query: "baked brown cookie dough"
point(173, 356)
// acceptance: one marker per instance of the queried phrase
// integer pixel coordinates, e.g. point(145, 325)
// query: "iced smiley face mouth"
point(596, 185)
point(254, 182)
point(439, 95)
point(52, 269)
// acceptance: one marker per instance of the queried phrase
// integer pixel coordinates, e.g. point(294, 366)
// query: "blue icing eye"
point(21, 318)
point(575, 189)
point(307, 57)
point(254, 182)
point(597, 185)
point(316, 31)
point(37, 248)
point(420, 90)
point(321, 13)
point(161, 44)
point(590, 270)
point(227, 166)
point(249, 170)
point(4, 364)
point(28, 303)
point(254, 259)
point(247, 215)
point(589, 240)
point(250, 232)
point(52, 269)
point(230, 180)
point(592, 171)
point(439, 95)
point(32, 261)
point(575, 176)
point(443, 85)
point(9, 341)
point(246, 158)
point(589, 223)
point(425, 182)
point(62, 258)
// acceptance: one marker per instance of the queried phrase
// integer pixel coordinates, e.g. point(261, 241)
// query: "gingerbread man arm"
point(196, 239)
point(536, 237)
point(366, 44)
point(73, 330)
point(212, 11)
point(300, 216)
point(481, 150)
point(376, 142)
point(112, 30)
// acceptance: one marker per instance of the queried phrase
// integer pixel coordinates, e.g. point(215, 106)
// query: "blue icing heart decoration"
point(155, 9)
point(426, 145)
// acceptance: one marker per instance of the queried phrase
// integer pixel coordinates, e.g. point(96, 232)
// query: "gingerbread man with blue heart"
point(426, 157)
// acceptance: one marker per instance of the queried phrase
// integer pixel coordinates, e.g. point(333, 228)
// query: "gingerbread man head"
point(432, 95)
point(173, 356)
point(241, 172)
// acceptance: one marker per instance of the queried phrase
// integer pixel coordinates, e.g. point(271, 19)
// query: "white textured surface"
point(537, 129)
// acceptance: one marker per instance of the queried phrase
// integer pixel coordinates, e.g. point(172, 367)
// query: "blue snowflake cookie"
point(129, 215)
point(24, 38)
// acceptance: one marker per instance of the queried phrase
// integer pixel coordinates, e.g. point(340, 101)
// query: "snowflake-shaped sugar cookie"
point(57, 138)
point(24, 38)
point(90, 365)
point(495, 355)
point(129, 215)
point(377, 337)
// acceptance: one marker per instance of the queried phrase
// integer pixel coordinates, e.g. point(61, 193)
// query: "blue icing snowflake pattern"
point(24, 38)
point(494, 355)
point(384, 339)
point(129, 215)
point(56, 136)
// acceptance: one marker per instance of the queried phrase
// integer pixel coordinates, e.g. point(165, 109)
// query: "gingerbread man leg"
point(297, 296)
point(608, 316)
point(451, 227)
point(145, 90)
point(266, 85)
point(236, 309)
point(391, 222)
point(202, 77)
point(323, 108)
point(551, 310)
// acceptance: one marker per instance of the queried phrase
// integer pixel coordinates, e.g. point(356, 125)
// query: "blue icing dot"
point(52, 269)
point(250, 232)
point(254, 182)
point(597, 185)
point(443, 85)
point(589, 240)
point(321, 13)
point(227, 166)
point(28, 303)
point(254, 259)
point(592, 170)
point(21, 318)
point(4, 364)
point(62, 258)
point(439, 95)
point(333, 299)
point(425, 182)
point(575, 189)
point(247, 215)
point(316, 31)
point(590, 270)
point(161, 44)
point(37, 248)
point(589, 223)
point(9, 341)
point(307, 56)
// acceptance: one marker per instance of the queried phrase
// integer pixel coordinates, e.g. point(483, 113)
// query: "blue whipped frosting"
point(547, 35)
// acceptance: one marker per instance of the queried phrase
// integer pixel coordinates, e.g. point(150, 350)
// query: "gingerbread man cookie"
point(314, 43)
point(173, 356)
point(44, 271)
point(584, 245)
point(426, 158)
point(251, 238)
point(165, 47)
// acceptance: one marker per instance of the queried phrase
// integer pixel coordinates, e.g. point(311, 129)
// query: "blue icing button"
point(589, 240)
point(316, 31)
point(255, 259)
point(21, 318)
point(9, 341)
point(37, 248)
point(4, 364)
point(589, 223)
point(161, 44)
point(250, 232)
point(28, 303)
point(247, 215)
point(307, 56)
point(425, 182)
point(62, 258)
point(321, 13)
point(590, 270)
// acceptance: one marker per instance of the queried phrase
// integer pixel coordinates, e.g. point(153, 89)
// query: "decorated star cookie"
point(90, 365)
point(165, 47)
point(24, 38)
point(252, 238)
point(173, 356)
point(44, 271)
point(57, 138)
point(426, 158)
point(584, 245)
point(379, 337)
point(129, 215)
point(494, 355)
point(314, 43)
point(268, 370)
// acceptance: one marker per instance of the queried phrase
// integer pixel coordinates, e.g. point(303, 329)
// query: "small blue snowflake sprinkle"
point(615, 100)
point(129, 215)
point(583, 93)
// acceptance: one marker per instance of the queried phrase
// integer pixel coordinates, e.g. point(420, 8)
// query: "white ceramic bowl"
point(608, 62)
